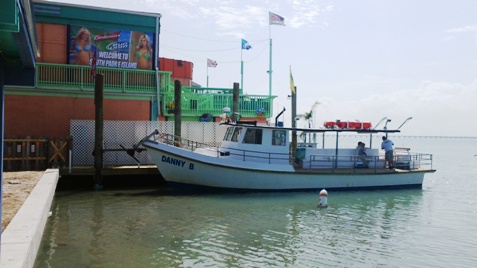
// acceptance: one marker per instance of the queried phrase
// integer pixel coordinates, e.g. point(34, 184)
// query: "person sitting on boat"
point(249, 136)
point(362, 155)
point(387, 146)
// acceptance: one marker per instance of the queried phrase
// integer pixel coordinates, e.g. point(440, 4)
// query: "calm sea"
point(435, 226)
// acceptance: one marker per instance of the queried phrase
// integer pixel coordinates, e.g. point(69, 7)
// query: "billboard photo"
point(113, 48)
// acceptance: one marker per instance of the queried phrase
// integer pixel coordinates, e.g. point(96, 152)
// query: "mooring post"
point(177, 112)
point(235, 102)
point(98, 131)
point(2, 144)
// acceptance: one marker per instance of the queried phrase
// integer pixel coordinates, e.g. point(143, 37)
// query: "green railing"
point(208, 90)
point(79, 78)
point(196, 101)
point(195, 104)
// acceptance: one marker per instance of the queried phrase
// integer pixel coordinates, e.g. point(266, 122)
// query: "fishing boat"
point(265, 158)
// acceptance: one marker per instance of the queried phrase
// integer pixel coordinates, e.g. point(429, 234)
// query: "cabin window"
point(228, 134)
point(253, 136)
point(279, 138)
point(236, 134)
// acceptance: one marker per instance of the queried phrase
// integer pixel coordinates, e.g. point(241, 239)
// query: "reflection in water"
point(136, 228)
point(97, 245)
point(161, 228)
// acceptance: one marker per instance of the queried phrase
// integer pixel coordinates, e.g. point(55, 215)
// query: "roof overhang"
point(18, 41)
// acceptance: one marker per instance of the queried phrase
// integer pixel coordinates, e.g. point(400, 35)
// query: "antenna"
point(386, 125)
point(409, 118)
point(382, 119)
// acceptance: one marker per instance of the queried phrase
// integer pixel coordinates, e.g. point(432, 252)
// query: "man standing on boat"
point(387, 146)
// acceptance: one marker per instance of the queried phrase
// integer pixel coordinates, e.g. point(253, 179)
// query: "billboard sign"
point(113, 48)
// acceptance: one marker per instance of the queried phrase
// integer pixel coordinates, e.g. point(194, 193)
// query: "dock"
point(22, 237)
point(83, 177)
point(110, 171)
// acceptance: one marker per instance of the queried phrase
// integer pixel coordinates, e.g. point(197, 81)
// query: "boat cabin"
point(261, 144)
point(273, 145)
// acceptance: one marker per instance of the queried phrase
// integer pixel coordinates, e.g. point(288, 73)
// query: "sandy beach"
point(16, 188)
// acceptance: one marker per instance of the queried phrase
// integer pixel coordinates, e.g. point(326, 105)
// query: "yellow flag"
point(292, 84)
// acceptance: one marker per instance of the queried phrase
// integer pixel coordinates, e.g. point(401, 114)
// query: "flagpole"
point(207, 73)
point(270, 68)
point(241, 70)
point(276, 20)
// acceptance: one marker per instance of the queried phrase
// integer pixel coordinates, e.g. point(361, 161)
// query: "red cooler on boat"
point(342, 125)
point(347, 125)
point(329, 124)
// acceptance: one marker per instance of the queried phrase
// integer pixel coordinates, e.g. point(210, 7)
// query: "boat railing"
point(263, 157)
point(413, 161)
point(416, 161)
point(183, 143)
point(335, 162)
point(307, 145)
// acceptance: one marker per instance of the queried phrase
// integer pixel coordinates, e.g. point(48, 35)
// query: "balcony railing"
point(79, 78)
point(196, 101)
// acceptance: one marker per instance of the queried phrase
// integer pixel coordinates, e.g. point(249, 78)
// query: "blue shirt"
point(387, 145)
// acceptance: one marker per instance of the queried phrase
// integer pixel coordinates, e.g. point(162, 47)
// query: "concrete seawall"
point(21, 239)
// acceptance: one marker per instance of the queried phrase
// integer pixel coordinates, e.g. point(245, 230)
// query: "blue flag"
point(246, 45)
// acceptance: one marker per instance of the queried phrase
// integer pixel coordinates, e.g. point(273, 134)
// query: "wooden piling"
point(177, 113)
point(99, 130)
point(235, 102)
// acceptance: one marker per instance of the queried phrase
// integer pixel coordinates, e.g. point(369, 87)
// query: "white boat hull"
point(181, 167)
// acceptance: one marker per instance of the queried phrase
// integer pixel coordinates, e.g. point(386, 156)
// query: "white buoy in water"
point(323, 199)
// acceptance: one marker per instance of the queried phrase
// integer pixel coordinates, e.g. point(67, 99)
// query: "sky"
point(351, 60)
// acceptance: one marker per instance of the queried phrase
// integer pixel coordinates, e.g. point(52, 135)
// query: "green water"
point(432, 227)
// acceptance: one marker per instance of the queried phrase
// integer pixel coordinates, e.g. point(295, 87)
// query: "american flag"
point(276, 19)
point(211, 63)
point(93, 64)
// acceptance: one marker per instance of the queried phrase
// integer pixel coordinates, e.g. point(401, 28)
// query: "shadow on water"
point(87, 183)
point(152, 185)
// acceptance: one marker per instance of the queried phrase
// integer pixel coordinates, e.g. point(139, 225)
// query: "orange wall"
point(50, 116)
point(52, 43)
point(181, 70)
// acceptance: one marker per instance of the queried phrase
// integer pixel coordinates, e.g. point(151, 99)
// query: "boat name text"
point(176, 162)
